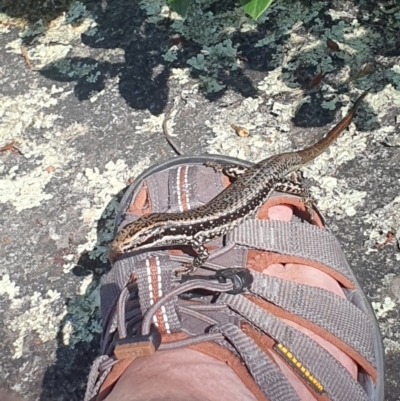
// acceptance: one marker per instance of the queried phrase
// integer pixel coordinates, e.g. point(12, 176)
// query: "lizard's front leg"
point(296, 177)
point(231, 170)
point(295, 188)
point(202, 254)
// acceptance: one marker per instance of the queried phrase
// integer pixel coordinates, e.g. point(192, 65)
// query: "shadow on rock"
point(79, 334)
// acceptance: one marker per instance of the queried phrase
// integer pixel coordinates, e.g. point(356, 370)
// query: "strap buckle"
point(240, 277)
point(139, 345)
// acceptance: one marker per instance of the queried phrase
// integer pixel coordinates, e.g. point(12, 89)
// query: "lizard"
point(236, 203)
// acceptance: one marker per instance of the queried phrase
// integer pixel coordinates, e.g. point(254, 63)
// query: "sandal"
point(240, 307)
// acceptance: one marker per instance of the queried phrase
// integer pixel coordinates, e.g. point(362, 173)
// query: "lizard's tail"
point(315, 150)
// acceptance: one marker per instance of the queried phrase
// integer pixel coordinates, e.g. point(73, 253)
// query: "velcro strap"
point(294, 239)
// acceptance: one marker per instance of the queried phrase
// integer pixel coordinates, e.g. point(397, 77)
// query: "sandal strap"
point(324, 371)
point(326, 310)
point(300, 240)
point(152, 281)
point(274, 384)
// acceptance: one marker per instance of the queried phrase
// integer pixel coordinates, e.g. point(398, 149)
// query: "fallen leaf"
point(9, 146)
point(26, 57)
point(316, 80)
point(241, 131)
point(6, 23)
point(366, 69)
point(389, 238)
point(332, 45)
point(179, 40)
point(379, 21)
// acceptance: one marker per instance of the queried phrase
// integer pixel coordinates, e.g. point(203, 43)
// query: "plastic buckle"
point(241, 279)
point(133, 347)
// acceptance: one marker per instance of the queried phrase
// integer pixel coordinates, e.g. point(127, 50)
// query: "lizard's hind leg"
point(295, 188)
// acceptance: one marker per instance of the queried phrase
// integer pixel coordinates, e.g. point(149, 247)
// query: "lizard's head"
point(143, 233)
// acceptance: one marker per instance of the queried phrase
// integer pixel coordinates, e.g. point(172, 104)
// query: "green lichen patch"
point(81, 323)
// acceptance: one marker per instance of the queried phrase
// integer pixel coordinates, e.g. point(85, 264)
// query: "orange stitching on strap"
point(155, 291)
point(183, 187)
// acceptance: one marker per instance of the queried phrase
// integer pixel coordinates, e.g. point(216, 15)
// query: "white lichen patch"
point(17, 113)
point(387, 135)
point(379, 101)
point(5, 21)
point(276, 82)
point(9, 288)
point(391, 347)
point(383, 308)
point(79, 318)
point(26, 192)
point(38, 317)
point(267, 136)
point(384, 222)
point(345, 149)
point(100, 188)
point(26, 189)
point(335, 198)
point(149, 124)
point(44, 55)
point(181, 74)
